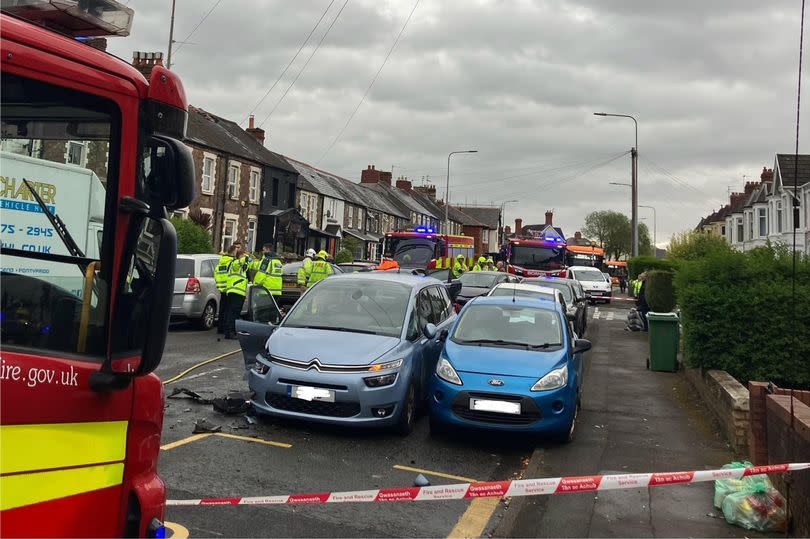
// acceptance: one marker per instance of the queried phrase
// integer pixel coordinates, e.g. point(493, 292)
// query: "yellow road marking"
point(198, 365)
point(431, 472)
point(251, 439)
point(184, 441)
point(474, 520)
point(203, 435)
point(178, 530)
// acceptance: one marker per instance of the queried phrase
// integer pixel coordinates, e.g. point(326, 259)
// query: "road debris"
point(203, 425)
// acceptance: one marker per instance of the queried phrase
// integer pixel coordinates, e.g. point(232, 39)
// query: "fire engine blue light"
point(160, 533)
point(425, 229)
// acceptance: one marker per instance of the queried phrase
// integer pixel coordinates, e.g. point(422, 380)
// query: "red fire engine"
point(535, 255)
point(423, 248)
point(86, 286)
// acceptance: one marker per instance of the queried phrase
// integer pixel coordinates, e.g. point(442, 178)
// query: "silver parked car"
point(196, 297)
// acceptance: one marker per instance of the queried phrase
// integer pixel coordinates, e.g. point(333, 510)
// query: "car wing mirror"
point(430, 331)
point(581, 345)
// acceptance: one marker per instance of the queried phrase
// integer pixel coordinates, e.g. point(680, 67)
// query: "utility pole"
point(634, 176)
point(171, 38)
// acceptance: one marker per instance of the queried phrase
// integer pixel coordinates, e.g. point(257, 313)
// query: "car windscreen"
point(534, 256)
point(184, 267)
point(411, 252)
point(520, 293)
point(508, 325)
point(562, 287)
point(589, 275)
point(478, 280)
point(356, 305)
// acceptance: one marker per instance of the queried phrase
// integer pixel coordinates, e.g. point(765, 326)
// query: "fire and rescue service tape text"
point(504, 489)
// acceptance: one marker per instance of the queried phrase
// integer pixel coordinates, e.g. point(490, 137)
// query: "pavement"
point(632, 420)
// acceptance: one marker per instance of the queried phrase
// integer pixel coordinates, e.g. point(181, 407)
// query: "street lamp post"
point(447, 190)
point(634, 175)
point(655, 226)
point(502, 222)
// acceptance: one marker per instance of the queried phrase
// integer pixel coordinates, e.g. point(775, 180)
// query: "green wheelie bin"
point(664, 335)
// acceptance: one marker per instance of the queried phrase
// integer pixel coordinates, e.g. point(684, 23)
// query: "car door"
point(207, 282)
point(253, 330)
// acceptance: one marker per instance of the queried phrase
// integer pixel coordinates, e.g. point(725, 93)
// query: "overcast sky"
point(712, 84)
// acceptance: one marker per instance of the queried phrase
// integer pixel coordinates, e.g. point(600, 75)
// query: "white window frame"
point(251, 241)
point(762, 222)
point(309, 207)
point(350, 220)
point(212, 176)
point(359, 219)
point(779, 220)
point(230, 217)
point(82, 156)
point(254, 189)
point(233, 183)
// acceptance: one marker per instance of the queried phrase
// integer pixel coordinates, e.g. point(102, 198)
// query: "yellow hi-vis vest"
point(320, 271)
point(268, 274)
point(221, 272)
point(237, 277)
point(305, 271)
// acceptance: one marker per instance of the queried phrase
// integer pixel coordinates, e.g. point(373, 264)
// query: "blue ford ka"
point(356, 350)
point(509, 364)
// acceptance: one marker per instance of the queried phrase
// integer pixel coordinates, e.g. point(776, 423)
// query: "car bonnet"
point(329, 347)
point(503, 361)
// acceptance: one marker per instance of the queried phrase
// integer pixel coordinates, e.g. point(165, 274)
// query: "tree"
point(692, 245)
point(645, 245)
point(344, 256)
point(191, 237)
point(351, 244)
point(611, 230)
point(199, 217)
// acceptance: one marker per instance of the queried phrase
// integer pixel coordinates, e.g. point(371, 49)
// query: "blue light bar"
point(425, 229)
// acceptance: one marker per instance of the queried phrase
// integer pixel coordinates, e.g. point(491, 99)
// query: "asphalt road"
point(632, 421)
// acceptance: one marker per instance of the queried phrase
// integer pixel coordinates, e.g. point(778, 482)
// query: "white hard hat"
point(310, 252)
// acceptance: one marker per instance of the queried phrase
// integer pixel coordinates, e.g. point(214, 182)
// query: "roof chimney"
point(427, 190)
point(577, 235)
point(385, 176)
point(767, 175)
point(145, 61)
point(518, 226)
point(403, 184)
point(257, 132)
point(549, 217)
point(507, 230)
point(370, 175)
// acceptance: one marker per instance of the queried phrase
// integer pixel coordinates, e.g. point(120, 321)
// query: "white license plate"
point(310, 394)
point(502, 407)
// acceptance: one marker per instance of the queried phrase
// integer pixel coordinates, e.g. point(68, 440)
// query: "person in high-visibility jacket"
point(237, 289)
point(459, 266)
point(321, 269)
point(268, 270)
point(306, 269)
point(490, 264)
point(388, 263)
point(481, 265)
point(221, 278)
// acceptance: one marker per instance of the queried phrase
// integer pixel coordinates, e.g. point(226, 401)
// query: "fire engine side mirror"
point(168, 169)
point(143, 304)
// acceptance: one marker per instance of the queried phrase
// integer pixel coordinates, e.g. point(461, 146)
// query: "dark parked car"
point(478, 283)
point(289, 288)
point(576, 300)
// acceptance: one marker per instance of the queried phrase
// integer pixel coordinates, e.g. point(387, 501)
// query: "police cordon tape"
point(504, 489)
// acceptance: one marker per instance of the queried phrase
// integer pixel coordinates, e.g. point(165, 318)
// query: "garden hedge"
point(344, 256)
point(737, 315)
point(191, 237)
point(659, 291)
point(640, 264)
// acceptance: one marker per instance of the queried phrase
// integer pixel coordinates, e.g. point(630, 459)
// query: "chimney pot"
point(252, 122)
point(578, 235)
point(518, 226)
point(549, 217)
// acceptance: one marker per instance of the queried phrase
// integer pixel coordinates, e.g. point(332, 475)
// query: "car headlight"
point(397, 363)
point(553, 380)
point(446, 372)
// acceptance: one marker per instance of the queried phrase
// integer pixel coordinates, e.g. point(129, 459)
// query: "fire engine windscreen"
point(411, 252)
point(537, 257)
point(64, 144)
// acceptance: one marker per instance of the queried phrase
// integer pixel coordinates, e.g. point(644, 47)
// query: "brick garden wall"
point(727, 399)
point(772, 440)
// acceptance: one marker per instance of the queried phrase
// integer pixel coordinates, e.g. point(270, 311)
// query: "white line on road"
point(596, 313)
point(610, 315)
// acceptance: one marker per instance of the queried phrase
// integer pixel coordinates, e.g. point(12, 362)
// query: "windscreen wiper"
point(333, 328)
point(58, 224)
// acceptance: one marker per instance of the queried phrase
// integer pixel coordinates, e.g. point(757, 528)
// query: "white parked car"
point(593, 281)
